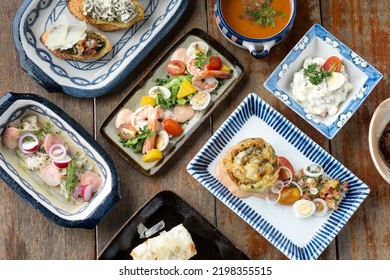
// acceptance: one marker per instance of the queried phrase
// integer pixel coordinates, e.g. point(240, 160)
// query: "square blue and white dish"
point(318, 42)
point(92, 78)
point(50, 201)
point(300, 239)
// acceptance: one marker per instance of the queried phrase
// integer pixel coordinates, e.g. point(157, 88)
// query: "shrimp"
point(214, 73)
point(191, 68)
point(204, 84)
point(152, 125)
point(140, 117)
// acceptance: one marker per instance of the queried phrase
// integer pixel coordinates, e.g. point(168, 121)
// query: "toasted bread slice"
point(76, 9)
point(65, 54)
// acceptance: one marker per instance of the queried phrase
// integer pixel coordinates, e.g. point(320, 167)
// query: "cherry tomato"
point(283, 174)
point(172, 127)
point(289, 195)
point(176, 67)
point(332, 64)
point(214, 64)
point(126, 131)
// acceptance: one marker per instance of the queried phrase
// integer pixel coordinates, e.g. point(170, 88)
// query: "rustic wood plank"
point(364, 27)
point(137, 189)
point(257, 71)
point(25, 233)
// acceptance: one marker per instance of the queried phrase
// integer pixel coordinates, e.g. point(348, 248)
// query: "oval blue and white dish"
point(318, 42)
point(49, 201)
point(299, 239)
point(93, 78)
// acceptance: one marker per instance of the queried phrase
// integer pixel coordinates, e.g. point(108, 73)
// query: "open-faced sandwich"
point(75, 41)
point(249, 168)
point(107, 15)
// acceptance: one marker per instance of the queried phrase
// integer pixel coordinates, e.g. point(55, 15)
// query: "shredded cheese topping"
point(110, 10)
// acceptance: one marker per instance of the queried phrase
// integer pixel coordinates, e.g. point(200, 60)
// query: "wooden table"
point(362, 25)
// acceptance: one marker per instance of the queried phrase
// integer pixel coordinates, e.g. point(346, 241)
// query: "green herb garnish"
point(315, 76)
point(71, 178)
point(162, 81)
point(163, 102)
point(137, 141)
point(263, 14)
point(201, 59)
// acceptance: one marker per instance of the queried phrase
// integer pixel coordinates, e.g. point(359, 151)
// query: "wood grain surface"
point(362, 25)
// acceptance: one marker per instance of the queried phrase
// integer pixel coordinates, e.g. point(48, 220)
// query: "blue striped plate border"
point(254, 106)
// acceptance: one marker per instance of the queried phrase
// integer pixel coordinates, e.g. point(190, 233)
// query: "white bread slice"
point(65, 55)
point(76, 9)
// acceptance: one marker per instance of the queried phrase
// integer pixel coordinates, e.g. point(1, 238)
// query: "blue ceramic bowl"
point(258, 47)
point(48, 201)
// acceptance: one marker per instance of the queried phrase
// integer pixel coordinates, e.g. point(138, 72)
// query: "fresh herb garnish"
point(163, 102)
point(201, 59)
point(137, 141)
point(71, 178)
point(162, 81)
point(263, 14)
point(315, 76)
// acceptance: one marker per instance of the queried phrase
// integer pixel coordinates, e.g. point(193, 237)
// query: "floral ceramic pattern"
point(319, 42)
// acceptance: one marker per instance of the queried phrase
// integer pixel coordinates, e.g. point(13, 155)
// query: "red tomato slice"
point(332, 64)
point(214, 64)
point(172, 127)
point(283, 174)
point(176, 67)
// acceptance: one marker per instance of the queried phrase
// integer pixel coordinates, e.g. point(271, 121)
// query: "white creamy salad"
point(326, 94)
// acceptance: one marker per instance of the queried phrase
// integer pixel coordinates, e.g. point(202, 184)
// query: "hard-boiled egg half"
point(200, 101)
point(165, 92)
point(162, 140)
point(304, 208)
point(197, 47)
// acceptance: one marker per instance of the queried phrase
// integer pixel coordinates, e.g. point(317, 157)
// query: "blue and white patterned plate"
point(297, 238)
point(49, 201)
point(94, 78)
point(318, 42)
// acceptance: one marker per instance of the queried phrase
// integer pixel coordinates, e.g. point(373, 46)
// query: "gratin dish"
point(297, 238)
point(48, 202)
point(134, 99)
point(318, 42)
point(379, 121)
point(169, 207)
point(93, 78)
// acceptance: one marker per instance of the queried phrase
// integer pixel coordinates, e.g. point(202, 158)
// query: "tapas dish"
point(168, 212)
point(185, 86)
point(287, 209)
point(333, 95)
point(53, 163)
point(85, 73)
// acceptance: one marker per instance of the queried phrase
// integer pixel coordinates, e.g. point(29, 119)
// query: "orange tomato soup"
point(234, 12)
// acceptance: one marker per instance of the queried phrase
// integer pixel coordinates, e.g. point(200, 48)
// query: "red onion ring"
point(274, 199)
point(298, 187)
point(22, 137)
point(54, 154)
point(286, 183)
point(278, 186)
point(77, 192)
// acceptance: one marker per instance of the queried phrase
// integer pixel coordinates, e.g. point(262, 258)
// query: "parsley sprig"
point(315, 76)
point(264, 14)
point(201, 59)
point(137, 141)
point(71, 178)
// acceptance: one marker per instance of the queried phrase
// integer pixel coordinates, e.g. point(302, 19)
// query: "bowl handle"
point(259, 53)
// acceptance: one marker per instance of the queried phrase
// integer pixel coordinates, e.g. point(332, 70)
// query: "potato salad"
point(321, 85)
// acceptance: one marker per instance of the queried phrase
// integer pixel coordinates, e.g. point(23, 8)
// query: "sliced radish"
point(86, 193)
point(51, 175)
point(62, 163)
point(28, 147)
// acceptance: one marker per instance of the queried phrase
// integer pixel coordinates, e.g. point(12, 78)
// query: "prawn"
point(152, 125)
point(191, 68)
point(141, 116)
point(205, 80)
